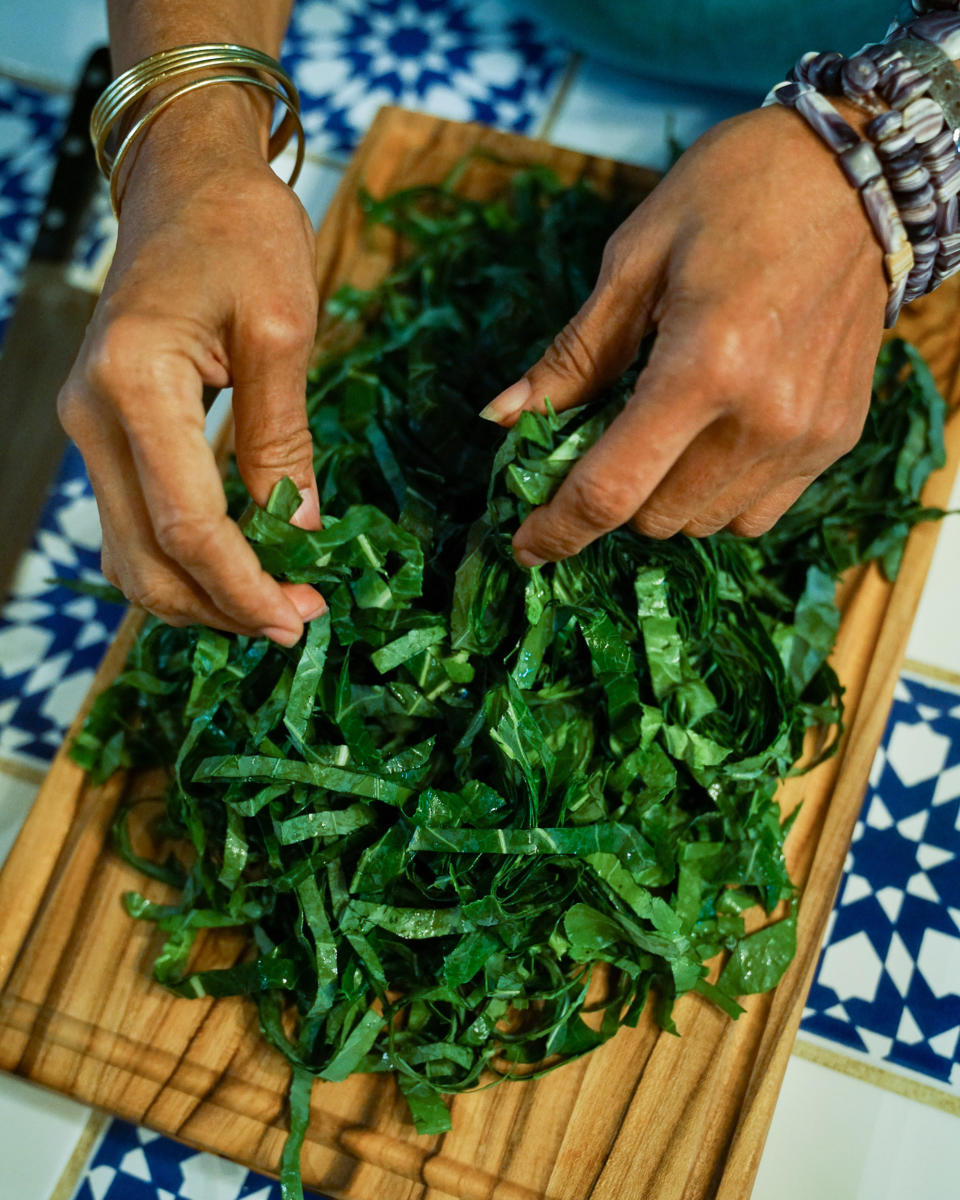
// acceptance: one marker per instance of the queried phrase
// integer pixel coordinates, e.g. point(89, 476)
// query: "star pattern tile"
point(133, 1163)
point(30, 124)
point(888, 982)
point(471, 62)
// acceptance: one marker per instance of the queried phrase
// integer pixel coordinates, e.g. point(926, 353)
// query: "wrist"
point(223, 126)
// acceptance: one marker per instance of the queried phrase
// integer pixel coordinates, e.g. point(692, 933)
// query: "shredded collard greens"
point(469, 783)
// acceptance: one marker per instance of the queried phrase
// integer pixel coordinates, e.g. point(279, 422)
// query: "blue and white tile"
point(52, 639)
point(887, 986)
point(610, 112)
point(30, 124)
point(133, 1163)
point(468, 61)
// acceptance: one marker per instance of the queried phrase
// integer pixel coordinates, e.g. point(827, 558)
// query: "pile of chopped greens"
point(469, 783)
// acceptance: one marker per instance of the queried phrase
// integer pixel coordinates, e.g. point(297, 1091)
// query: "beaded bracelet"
point(910, 88)
point(911, 141)
point(864, 171)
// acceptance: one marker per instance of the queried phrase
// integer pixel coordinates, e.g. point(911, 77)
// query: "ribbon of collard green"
point(301, 1085)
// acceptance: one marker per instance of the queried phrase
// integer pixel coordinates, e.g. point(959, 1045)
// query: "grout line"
point(866, 1072)
point(553, 108)
point(921, 668)
point(22, 771)
point(66, 1185)
point(319, 159)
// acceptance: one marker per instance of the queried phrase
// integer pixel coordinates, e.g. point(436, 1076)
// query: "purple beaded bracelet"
point(914, 137)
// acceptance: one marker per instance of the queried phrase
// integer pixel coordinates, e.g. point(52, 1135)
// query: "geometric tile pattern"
point(888, 981)
point(51, 638)
point(468, 61)
point(30, 124)
point(132, 1163)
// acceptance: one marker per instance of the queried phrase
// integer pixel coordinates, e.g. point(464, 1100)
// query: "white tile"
point(614, 113)
point(38, 1132)
point(837, 1138)
point(16, 796)
point(935, 637)
point(49, 42)
point(315, 186)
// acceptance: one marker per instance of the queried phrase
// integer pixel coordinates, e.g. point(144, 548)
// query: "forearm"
point(139, 28)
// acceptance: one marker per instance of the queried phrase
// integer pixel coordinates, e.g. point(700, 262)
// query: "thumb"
point(271, 432)
point(590, 352)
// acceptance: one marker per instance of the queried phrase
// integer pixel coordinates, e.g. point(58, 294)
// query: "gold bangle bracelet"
point(138, 128)
point(128, 89)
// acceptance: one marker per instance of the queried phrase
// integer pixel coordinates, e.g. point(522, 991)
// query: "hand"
point(757, 267)
point(213, 283)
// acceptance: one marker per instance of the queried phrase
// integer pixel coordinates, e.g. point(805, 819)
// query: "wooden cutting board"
point(647, 1116)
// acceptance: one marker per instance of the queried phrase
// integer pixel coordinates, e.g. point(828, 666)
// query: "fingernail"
point(286, 637)
point(310, 611)
point(509, 402)
point(306, 600)
point(527, 559)
point(307, 515)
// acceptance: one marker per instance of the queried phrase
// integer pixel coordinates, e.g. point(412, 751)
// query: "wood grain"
point(647, 1117)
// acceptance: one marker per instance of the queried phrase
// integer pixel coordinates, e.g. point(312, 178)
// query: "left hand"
point(757, 266)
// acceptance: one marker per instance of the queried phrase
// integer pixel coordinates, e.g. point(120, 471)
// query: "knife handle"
point(75, 176)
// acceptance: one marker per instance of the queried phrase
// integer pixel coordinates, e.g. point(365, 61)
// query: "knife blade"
point(45, 332)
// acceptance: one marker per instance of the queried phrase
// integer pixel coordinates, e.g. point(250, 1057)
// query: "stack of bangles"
point(908, 171)
point(207, 64)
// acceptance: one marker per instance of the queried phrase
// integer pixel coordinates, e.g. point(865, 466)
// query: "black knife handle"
point(75, 175)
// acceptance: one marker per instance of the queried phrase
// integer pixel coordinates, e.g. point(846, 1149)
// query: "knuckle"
point(781, 421)
point(838, 431)
point(273, 448)
point(108, 569)
point(616, 253)
point(570, 356)
point(281, 332)
point(601, 502)
point(111, 366)
point(752, 525)
point(725, 350)
point(657, 525)
point(703, 526)
point(155, 597)
point(72, 410)
point(184, 537)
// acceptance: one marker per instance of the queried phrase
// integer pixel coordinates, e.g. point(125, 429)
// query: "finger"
point(272, 437)
point(719, 462)
point(613, 480)
point(762, 516)
point(132, 555)
point(600, 342)
point(762, 485)
point(184, 498)
point(160, 589)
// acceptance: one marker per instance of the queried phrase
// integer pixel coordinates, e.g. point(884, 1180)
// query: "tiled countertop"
point(871, 1101)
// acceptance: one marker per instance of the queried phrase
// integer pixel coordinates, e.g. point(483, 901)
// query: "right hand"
point(213, 283)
